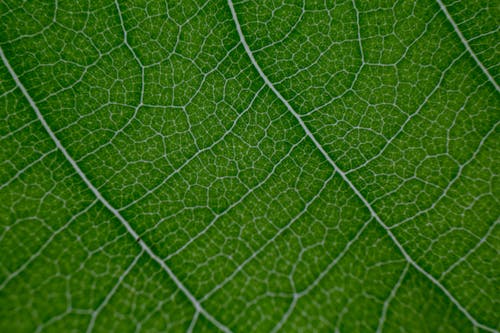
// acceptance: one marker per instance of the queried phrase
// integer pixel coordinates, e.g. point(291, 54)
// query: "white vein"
point(108, 297)
point(236, 203)
point(192, 325)
point(466, 44)
point(270, 240)
point(320, 277)
point(99, 196)
point(45, 245)
point(27, 167)
point(471, 251)
point(387, 302)
point(344, 176)
point(449, 186)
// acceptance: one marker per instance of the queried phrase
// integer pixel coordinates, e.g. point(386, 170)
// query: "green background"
point(327, 166)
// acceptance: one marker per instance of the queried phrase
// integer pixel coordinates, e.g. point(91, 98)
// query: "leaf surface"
point(249, 166)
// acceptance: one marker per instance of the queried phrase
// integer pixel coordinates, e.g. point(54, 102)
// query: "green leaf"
point(249, 166)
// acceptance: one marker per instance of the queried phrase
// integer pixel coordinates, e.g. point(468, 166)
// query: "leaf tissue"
point(249, 166)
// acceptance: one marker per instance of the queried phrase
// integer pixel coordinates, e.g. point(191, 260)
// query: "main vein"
point(199, 308)
point(344, 176)
point(466, 44)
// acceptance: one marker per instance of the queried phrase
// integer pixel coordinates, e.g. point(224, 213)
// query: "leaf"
point(249, 166)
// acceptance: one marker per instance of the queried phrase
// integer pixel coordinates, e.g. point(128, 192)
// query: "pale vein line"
point(270, 240)
point(471, 251)
point(235, 203)
point(198, 153)
point(192, 325)
point(450, 184)
point(99, 196)
point(344, 176)
point(466, 44)
point(389, 299)
point(410, 117)
point(42, 248)
point(287, 314)
point(108, 297)
point(335, 261)
point(26, 168)
point(320, 277)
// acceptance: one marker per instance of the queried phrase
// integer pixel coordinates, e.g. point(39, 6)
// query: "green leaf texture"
point(249, 166)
